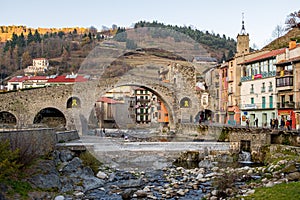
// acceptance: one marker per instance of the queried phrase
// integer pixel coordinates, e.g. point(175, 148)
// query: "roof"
point(25, 78)
point(66, 79)
point(265, 56)
point(50, 79)
point(40, 59)
point(107, 100)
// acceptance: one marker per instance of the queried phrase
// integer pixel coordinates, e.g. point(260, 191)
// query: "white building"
point(39, 65)
point(258, 89)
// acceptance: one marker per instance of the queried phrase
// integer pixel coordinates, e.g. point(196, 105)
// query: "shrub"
point(89, 160)
point(9, 165)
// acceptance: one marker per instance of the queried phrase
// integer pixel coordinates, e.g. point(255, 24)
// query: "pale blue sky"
point(223, 17)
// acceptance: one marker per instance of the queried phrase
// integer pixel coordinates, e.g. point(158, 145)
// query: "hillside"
point(283, 41)
point(66, 48)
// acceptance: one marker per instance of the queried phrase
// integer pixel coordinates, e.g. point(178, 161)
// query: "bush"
point(89, 160)
point(9, 165)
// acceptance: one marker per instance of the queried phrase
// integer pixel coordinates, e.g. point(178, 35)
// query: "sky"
point(218, 16)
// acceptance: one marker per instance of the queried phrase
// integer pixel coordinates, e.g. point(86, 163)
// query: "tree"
point(293, 20)
point(278, 32)
point(26, 59)
point(37, 36)
point(30, 37)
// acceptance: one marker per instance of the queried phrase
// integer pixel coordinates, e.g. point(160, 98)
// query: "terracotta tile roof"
point(107, 100)
point(265, 56)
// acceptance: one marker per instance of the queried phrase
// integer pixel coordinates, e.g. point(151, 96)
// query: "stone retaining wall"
point(39, 141)
point(67, 136)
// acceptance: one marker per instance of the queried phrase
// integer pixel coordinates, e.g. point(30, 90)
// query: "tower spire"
point(243, 31)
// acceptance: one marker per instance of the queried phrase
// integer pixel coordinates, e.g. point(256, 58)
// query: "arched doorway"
point(7, 118)
point(50, 117)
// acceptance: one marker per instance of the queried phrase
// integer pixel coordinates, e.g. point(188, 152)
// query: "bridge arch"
point(50, 117)
point(7, 118)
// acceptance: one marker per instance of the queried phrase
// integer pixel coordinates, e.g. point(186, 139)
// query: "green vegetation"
point(221, 47)
point(10, 170)
point(278, 192)
point(89, 160)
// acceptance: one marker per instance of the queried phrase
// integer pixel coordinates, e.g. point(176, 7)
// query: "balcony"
point(217, 85)
point(283, 73)
point(251, 90)
point(263, 89)
point(286, 104)
point(284, 83)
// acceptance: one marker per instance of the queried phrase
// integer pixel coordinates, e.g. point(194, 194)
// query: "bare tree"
point(278, 32)
point(293, 20)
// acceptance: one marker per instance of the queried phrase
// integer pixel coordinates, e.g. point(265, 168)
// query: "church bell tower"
point(242, 46)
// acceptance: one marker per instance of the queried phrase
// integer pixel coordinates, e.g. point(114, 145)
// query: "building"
point(142, 99)
point(258, 93)
point(288, 85)
point(223, 100)
point(25, 82)
point(39, 65)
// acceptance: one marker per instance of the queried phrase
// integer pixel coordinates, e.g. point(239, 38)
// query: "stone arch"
point(50, 117)
point(7, 118)
point(73, 102)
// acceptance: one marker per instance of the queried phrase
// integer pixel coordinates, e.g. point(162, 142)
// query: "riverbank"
point(66, 175)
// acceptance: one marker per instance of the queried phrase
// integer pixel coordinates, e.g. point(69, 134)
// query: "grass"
point(89, 160)
point(18, 187)
point(278, 192)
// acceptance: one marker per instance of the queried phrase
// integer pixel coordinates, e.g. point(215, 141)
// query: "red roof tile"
point(107, 100)
point(265, 56)
point(24, 78)
point(64, 79)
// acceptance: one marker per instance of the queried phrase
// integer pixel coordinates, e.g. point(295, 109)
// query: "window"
point(252, 100)
point(271, 101)
point(252, 89)
point(263, 88)
point(270, 87)
point(263, 100)
point(291, 97)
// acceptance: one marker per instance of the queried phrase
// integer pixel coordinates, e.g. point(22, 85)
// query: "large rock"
point(92, 183)
point(73, 166)
point(46, 181)
point(293, 176)
point(66, 155)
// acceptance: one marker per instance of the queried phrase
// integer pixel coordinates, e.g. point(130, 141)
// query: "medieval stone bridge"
point(27, 107)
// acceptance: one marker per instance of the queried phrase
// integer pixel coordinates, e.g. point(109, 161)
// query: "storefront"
point(287, 114)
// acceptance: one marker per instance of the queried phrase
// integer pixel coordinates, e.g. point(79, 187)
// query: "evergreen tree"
point(30, 37)
point(37, 36)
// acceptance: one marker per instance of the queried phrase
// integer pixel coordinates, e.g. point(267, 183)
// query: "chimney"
point(292, 44)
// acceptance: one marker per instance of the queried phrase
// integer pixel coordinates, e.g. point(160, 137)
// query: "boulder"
point(66, 155)
point(92, 183)
point(73, 166)
point(294, 176)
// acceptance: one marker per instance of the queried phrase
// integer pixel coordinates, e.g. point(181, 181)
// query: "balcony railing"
point(263, 75)
point(263, 89)
point(270, 88)
point(287, 104)
point(251, 90)
point(284, 73)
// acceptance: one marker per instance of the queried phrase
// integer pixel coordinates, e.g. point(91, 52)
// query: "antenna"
point(243, 31)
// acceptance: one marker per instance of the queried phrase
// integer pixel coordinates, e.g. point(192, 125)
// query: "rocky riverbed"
point(66, 177)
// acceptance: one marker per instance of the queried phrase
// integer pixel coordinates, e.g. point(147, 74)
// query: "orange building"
point(163, 115)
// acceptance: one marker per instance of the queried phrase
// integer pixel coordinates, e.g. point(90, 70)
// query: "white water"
point(245, 157)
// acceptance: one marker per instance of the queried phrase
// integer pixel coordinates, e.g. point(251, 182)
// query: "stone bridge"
point(27, 107)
